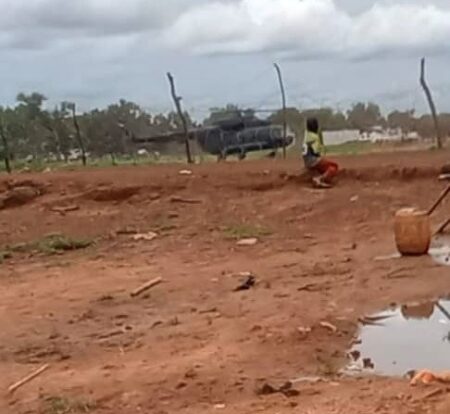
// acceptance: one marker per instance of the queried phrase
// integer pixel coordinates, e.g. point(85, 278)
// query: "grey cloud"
point(107, 16)
point(40, 23)
point(94, 52)
point(312, 28)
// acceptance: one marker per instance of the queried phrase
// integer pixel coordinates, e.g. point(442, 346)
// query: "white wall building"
point(375, 134)
point(341, 137)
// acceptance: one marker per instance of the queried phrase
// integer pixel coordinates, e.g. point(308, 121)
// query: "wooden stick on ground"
point(145, 287)
point(28, 378)
point(177, 199)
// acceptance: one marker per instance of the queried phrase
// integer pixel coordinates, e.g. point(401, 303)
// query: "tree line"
point(364, 117)
point(28, 130)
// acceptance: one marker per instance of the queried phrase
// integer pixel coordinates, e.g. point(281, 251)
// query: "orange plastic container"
point(412, 230)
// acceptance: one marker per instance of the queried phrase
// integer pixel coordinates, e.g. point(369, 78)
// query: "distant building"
point(380, 134)
point(374, 134)
point(341, 137)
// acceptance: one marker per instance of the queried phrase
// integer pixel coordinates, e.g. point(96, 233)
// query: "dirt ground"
point(193, 344)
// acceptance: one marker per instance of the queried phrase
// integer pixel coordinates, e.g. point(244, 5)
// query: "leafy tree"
point(228, 113)
point(294, 120)
point(4, 153)
point(30, 115)
point(403, 120)
point(364, 116)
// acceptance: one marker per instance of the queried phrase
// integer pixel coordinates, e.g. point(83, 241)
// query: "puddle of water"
point(410, 337)
point(440, 250)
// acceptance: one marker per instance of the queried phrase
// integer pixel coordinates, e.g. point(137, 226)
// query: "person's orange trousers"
point(327, 169)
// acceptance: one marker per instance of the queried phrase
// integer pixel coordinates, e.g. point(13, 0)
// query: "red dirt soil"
point(192, 344)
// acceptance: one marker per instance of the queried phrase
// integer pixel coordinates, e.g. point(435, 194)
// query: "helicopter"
point(237, 135)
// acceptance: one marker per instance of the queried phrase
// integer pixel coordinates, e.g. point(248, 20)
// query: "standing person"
point(313, 149)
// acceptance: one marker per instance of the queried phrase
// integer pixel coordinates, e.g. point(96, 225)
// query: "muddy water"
point(402, 339)
point(440, 250)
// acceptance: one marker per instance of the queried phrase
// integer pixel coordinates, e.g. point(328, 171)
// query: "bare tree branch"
point(431, 104)
point(72, 107)
point(283, 101)
point(177, 101)
point(6, 154)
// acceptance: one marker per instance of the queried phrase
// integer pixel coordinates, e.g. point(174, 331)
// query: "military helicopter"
point(234, 134)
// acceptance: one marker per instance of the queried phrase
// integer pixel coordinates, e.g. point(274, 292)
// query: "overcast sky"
point(332, 52)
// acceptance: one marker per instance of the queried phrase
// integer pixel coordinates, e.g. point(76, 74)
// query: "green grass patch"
point(101, 162)
point(62, 405)
point(60, 243)
point(351, 148)
point(49, 245)
point(245, 231)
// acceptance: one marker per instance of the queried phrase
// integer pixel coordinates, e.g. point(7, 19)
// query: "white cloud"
point(96, 51)
point(294, 28)
point(311, 28)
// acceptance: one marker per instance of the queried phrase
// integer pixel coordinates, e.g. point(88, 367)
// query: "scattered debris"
point(373, 320)
point(286, 389)
point(145, 236)
point(355, 355)
point(174, 321)
point(247, 285)
point(351, 246)
point(65, 209)
point(243, 274)
point(310, 380)
point(220, 406)
point(311, 287)
point(28, 378)
point(401, 273)
point(388, 257)
point(368, 364)
point(126, 231)
point(178, 199)
point(432, 394)
point(209, 310)
point(247, 242)
point(326, 284)
point(111, 334)
point(428, 377)
point(105, 298)
point(304, 331)
point(191, 374)
point(329, 326)
point(146, 286)
point(181, 385)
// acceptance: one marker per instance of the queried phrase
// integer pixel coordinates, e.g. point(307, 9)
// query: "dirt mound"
point(369, 174)
point(389, 173)
point(20, 192)
point(18, 196)
point(107, 194)
point(445, 169)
